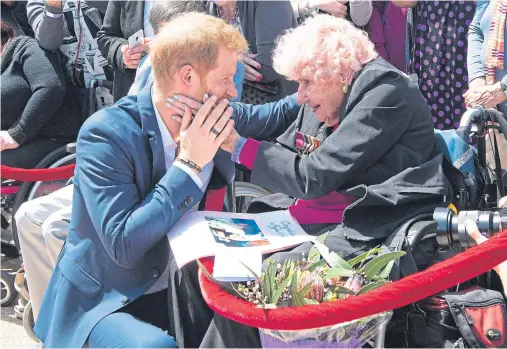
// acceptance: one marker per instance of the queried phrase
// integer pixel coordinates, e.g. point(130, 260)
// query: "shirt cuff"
point(237, 149)
point(249, 153)
point(199, 179)
point(53, 11)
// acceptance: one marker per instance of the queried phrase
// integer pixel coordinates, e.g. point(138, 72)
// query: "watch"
point(503, 85)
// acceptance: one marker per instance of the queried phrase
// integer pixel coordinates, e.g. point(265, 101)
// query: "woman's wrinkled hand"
point(201, 136)
point(487, 96)
point(178, 104)
point(251, 66)
point(7, 142)
point(230, 142)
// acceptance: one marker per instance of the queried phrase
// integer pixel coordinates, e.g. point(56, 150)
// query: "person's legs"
point(29, 220)
point(29, 154)
point(55, 230)
point(123, 330)
point(189, 315)
point(141, 324)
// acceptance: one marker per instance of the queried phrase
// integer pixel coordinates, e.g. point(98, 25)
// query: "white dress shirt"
point(201, 180)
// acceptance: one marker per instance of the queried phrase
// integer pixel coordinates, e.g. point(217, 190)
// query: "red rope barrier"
point(37, 175)
point(460, 268)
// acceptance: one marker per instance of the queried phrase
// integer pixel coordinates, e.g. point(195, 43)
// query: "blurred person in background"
point(70, 27)
point(437, 49)
point(124, 19)
point(260, 23)
point(14, 14)
point(387, 30)
point(356, 11)
point(33, 90)
point(486, 67)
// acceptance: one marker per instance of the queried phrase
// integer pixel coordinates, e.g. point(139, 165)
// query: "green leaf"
point(267, 306)
point(343, 290)
point(332, 258)
point(280, 290)
point(371, 287)
point(387, 270)
point(314, 252)
point(376, 264)
point(310, 301)
point(364, 256)
point(297, 299)
point(319, 263)
point(340, 272)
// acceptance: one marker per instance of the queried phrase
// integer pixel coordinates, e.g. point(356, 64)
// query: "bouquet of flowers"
point(321, 276)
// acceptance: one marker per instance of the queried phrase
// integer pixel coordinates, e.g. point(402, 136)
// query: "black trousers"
point(30, 153)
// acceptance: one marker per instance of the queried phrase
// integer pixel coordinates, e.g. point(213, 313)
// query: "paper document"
point(204, 234)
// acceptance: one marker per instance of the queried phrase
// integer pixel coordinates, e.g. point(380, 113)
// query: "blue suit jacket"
point(125, 202)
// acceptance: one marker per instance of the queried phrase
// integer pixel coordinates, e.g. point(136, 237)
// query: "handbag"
point(472, 318)
point(258, 93)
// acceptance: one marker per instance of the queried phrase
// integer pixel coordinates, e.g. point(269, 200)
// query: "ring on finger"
point(215, 132)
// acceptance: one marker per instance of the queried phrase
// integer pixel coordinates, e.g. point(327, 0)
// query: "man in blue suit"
point(138, 171)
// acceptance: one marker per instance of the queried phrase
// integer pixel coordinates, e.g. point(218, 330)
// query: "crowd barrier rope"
point(439, 277)
point(38, 174)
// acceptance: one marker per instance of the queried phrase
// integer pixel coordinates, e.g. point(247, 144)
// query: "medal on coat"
point(305, 144)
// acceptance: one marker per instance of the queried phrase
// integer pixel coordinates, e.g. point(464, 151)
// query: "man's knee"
point(56, 226)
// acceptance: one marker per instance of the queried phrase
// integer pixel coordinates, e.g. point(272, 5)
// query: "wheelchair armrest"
point(419, 230)
point(71, 148)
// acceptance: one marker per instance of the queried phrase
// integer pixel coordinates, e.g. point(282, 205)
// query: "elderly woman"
point(359, 160)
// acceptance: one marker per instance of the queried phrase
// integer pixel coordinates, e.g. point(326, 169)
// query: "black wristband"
point(190, 164)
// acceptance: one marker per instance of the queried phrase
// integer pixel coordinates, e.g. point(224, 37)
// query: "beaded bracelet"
point(190, 164)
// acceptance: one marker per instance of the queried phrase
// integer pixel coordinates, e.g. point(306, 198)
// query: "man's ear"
point(188, 76)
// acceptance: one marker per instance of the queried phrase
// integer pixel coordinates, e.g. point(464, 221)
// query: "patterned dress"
point(437, 37)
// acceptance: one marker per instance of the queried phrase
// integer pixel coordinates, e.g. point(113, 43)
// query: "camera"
point(451, 230)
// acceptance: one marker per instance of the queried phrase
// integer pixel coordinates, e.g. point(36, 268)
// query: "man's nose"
point(232, 92)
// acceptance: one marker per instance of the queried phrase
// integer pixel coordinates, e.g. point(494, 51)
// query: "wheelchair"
point(15, 193)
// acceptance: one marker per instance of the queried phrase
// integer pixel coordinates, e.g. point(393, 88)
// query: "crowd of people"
point(351, 91)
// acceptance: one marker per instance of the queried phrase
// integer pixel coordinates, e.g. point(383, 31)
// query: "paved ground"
point(12, 334)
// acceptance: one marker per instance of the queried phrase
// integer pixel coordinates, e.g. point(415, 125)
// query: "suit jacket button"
point(190, 200)
point(124, 301)
point(181, 208)
point(155, 273)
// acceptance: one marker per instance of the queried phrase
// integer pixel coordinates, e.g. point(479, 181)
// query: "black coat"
point(384, 153)
point(122, 20)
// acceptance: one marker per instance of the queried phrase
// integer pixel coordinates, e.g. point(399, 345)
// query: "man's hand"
point(6, 141)
point(132, 56)
point(251, 66)
point(336, 8)
point(201, 136)
point(487, 96)
point(475, 234)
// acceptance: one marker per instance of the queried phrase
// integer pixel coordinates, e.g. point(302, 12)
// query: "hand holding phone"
point(134, 51)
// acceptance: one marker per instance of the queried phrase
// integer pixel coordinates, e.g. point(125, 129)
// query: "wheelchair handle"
point(467, 120)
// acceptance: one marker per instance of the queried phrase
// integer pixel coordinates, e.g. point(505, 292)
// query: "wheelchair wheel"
point(8, 293)
point(32, 190)
point(28, 321)
point(245, 192)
